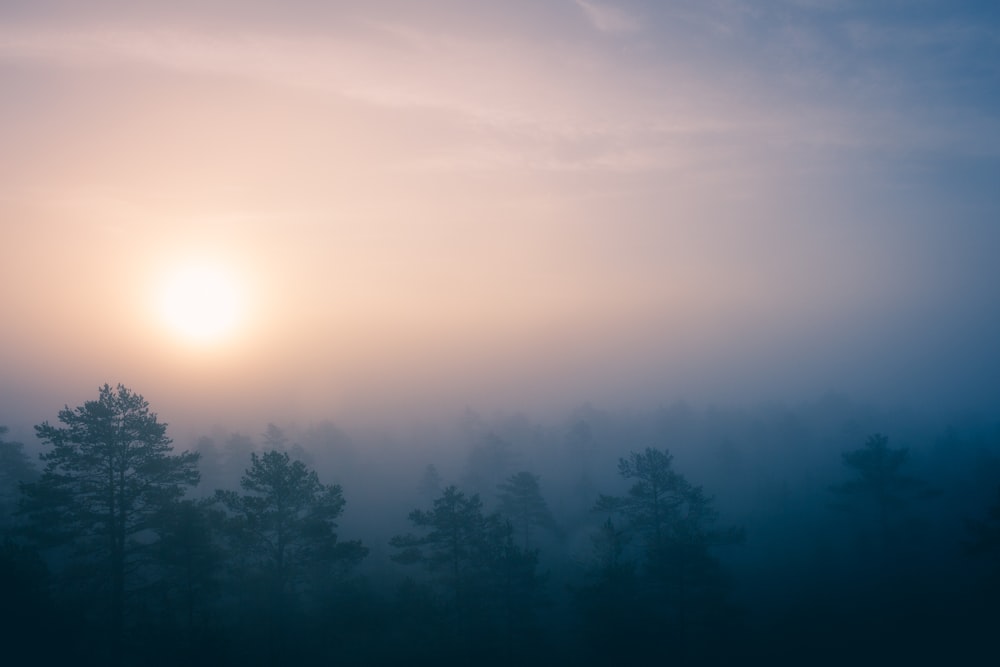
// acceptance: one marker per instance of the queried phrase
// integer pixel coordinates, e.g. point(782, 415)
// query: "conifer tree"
point(880, 483)
point(284, 522)
point(109, 473)
point(522, 503)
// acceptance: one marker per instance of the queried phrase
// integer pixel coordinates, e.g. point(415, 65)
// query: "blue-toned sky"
point(511, 205)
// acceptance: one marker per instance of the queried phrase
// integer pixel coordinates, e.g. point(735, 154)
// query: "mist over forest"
point(825, 531)
point(541, 332)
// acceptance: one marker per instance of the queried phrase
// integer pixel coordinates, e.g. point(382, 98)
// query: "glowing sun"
point(201, 303)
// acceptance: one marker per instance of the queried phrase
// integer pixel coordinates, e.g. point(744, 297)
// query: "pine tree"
point(522, 503)
point(880, 483)
point(675, 522)
point(284, 522)
point(491, 585)
point(108, 476)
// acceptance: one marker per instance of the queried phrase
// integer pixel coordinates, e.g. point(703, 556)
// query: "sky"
point(515, 206)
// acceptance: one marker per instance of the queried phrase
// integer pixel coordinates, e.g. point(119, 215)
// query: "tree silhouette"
point(29, 617)
point(274, 438)
point(430, 482)
point(283, 533)
point(581, 448)
point(108, 476)
point(451, 549)
point(489, 460)
point(191, 558)
point(15, 468)
point(522, 503)
point(285, 522)
point(675, 522)
point(653, 500)
point(610, 603)
point(491, 584)
point(879, 483)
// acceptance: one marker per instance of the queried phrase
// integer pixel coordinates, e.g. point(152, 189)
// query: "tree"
point(29, 618)
point(430, 482)
point(285, 521)
point(609, 602)
point(522, 503)
point(15, 468)
point(581, 447)
point(491, 583)
point(880, 482)
point(107, 477)
point(653, 500)
point(452, 546)
point(675, 522)
point(190, 557)
point(488, 461)
point(274, 438)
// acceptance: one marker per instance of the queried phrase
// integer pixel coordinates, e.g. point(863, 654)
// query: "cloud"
point(608, 19)
point(506, 106)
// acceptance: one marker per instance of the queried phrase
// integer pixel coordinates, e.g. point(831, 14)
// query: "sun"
point(201, 303)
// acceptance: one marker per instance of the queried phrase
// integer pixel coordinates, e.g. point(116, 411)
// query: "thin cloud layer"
point(560, 200)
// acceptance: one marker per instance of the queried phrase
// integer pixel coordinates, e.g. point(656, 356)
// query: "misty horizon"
point(520, 208)
point(680, 317)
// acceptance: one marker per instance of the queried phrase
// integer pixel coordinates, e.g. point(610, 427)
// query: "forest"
point(827, 532)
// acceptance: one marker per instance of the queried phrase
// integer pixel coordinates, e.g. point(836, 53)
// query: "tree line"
point(106, 549)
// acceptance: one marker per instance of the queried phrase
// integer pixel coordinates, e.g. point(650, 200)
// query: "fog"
point(527, 237)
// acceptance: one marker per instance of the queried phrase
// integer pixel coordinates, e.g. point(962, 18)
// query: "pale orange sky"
point(519, 205)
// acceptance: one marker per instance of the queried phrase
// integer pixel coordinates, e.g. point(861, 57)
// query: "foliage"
point(879, 482)
point(190, 557)
point(15, 468)
point(682, 584)
point(108, 476)
point(430, 481)
point(492, 585)
point(452, 548)
point(664, 508)
point(284, 522)
point(609, 602)
point(522, 503)
point(489, 460)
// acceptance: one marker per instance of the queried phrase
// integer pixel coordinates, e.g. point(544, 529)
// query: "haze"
point(512, 206)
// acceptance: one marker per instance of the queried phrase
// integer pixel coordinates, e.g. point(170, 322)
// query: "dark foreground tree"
point(683, 588)
point(284, 544)
point(609, 602)
point(109, 474)
point(190, 558)
point(284, 524)
point(29, 618)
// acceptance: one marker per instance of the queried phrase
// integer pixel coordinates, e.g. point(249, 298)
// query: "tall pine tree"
point(109, 473)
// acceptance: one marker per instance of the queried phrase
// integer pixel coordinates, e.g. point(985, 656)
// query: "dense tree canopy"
point(285, 520)
point(256, 572)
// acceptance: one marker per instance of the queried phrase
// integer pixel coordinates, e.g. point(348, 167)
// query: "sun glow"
point(201, 304)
